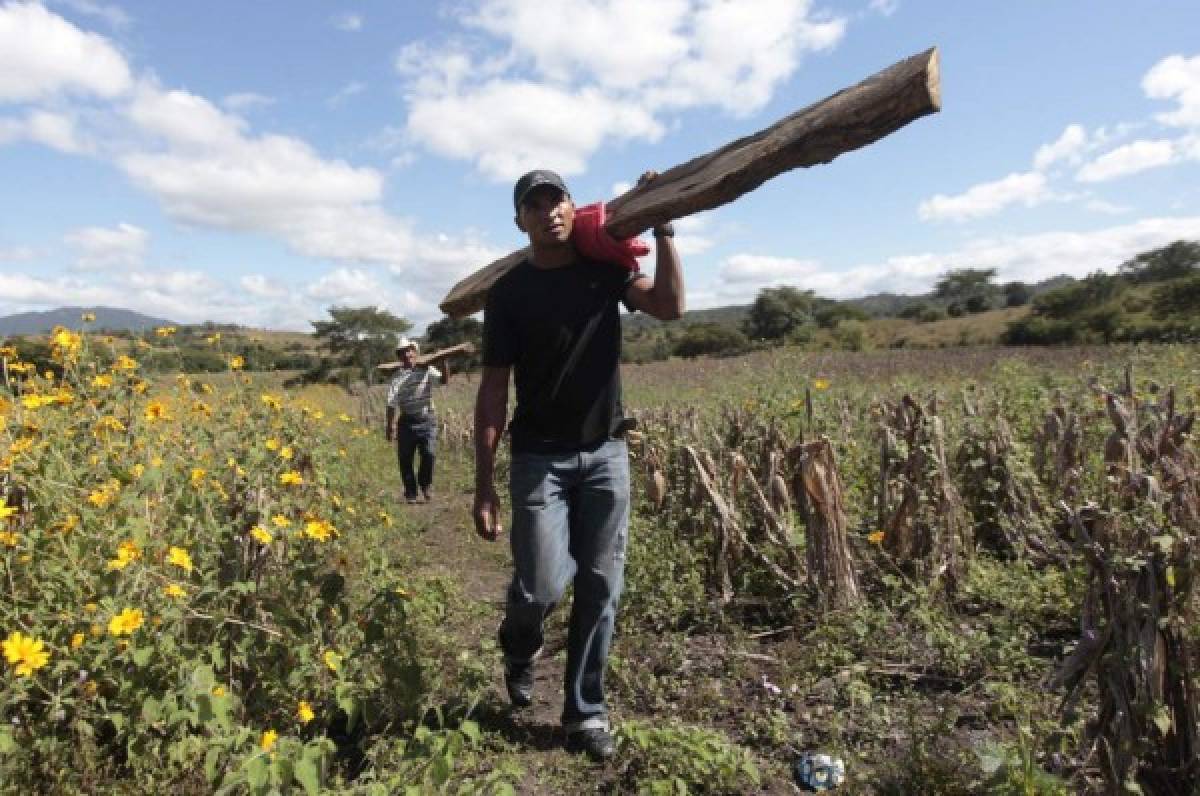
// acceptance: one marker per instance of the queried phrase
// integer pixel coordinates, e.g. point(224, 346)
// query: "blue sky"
point(258, 162)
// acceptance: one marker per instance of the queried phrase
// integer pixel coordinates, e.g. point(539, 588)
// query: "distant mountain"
point(107, 318)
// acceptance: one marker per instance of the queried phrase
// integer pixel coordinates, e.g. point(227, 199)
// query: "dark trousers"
point(416, 435)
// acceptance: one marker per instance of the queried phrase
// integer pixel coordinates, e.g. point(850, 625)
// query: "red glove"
point(592, 240)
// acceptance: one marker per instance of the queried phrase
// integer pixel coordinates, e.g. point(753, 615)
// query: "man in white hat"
point(411, 420)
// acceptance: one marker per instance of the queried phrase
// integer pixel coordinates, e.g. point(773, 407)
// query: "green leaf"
point(212, 765)
point(142, 656)
point(151, 710)
point(308, 770)
point(258, 771)
point(7, 744)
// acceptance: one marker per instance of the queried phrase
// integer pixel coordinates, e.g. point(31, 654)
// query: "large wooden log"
point(433, 356)
point(848, 120)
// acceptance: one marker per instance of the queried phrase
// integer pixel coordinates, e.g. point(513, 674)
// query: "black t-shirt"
point(560, 331)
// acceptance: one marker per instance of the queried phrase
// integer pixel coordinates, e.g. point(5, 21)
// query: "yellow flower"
point(108, 424)
point(26, 653)
point(875, 537)
point(287, 453)
point(125, 362)
point(157, 410)
point(261, 535)
point(272, 444)
point(165, 331)
point(102, 380)
point(90, 608)
point(138, 469)
point(821, 384)
point(180, 558)
point(333, 659)
point(77, 640)
point(280, 521)
point(198, 474)
point(237, 363)
point(9, 538)
point(272, 401)
point(320, 530)
point(6, 511)
point(291, 478)
point(213, 339)
point(268, 740)
point(65, 344)
point(345, 418)
point(304, 712)
point(8, 351)
point(127, 553)
point(126, 622)
point(174, 590)
point(218, 691)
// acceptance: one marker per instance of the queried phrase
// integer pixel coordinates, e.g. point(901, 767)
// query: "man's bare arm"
point(661, 298)
point(491, 410)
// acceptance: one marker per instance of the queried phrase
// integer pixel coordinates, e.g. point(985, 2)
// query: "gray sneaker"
point(595, 742)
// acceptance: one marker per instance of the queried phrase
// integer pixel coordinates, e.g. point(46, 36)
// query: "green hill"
point(107, 318)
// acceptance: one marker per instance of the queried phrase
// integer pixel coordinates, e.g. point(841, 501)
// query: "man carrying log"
point(553, 323)
point(411, 420)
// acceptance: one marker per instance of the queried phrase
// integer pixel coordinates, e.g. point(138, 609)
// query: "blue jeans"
point(416, 436)
point(570, 521)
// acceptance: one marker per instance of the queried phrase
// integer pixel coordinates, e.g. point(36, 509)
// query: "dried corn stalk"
point(1139, 601)
point(819, 491)
point(1000, 492)
point(926, 529)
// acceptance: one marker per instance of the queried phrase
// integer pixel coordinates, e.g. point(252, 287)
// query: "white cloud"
point(16, 254)
point(1069, 147)
point(885, 7)
point(1108, 208)
point(104, 247)
point(1178, 78)
point(262, 286)
point(351, 89)
point(1128, 159)
point(762, 270)
point(246, 100)
point(509, 127)
point(553, 83)
point(350, 23)
point(114, 16)
point(42, 54)
point(1028, 188)
point(54, 130)
point(209, 170)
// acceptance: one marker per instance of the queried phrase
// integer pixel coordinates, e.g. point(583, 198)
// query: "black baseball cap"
point(535, 179)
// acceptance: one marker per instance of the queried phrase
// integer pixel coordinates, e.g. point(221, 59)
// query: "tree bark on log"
point(848, 120)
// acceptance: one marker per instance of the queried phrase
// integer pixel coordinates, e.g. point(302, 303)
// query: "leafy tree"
point(829, 313)
point(712, 339)
point(360, 337)
point(1181, 258)
point(1180, 298)
point(452, 331)
point(1070, 301)
point(778, 312)
point(966, 290)
point(1017, 294)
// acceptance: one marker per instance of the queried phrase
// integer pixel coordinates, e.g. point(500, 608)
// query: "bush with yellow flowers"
point(173, 604)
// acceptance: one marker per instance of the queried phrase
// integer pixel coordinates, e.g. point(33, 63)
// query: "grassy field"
point(325, 637)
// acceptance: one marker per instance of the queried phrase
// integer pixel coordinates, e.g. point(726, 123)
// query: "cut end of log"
point(933, 78)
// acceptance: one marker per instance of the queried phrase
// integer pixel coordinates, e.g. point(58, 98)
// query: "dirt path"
point(445, 545)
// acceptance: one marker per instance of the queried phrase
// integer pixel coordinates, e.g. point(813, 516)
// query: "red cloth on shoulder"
point(592, 240)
